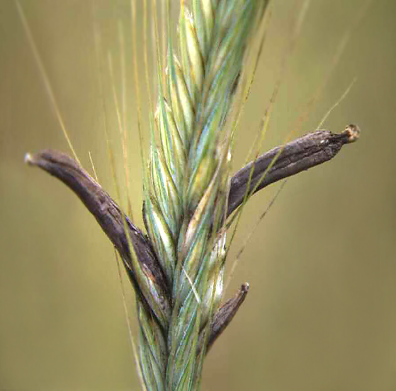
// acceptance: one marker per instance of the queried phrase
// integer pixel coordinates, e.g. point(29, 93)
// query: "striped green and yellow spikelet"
point(187, 183)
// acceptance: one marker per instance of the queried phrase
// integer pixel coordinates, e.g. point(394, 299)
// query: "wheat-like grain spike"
point(188, 178)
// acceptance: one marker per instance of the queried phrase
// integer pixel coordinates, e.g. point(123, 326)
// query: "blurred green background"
point(321, 312)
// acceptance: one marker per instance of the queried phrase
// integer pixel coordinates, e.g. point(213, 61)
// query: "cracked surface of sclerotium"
point(186, 186)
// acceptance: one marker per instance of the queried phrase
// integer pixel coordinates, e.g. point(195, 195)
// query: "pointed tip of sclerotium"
point(353, 132)
point(28, 159)
point(245, 287)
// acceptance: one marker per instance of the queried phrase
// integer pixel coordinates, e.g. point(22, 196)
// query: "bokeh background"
point(321, 312)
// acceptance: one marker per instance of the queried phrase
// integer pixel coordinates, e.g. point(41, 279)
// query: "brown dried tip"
point(353, 132)
point(29, 159)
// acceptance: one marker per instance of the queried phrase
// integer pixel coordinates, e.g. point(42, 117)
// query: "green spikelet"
point(188, 182)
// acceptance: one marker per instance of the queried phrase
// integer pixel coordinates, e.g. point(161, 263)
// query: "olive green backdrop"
point(321, 311)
